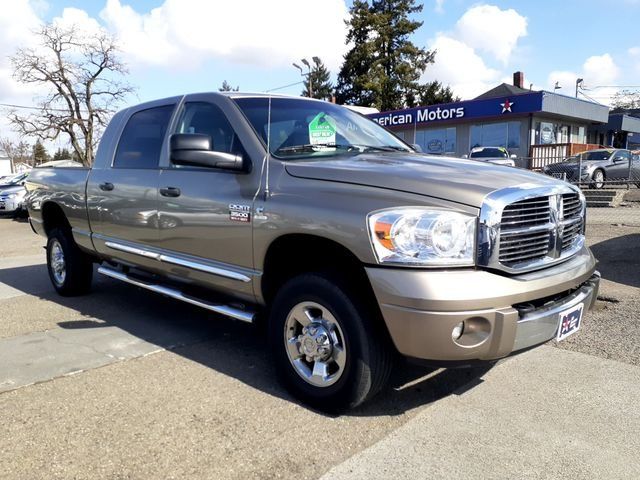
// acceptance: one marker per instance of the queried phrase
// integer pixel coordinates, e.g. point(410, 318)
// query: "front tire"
point(70, 269)
point(598, 179)
point(327, 346)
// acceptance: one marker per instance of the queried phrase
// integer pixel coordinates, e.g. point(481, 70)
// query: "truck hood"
point(452, 179)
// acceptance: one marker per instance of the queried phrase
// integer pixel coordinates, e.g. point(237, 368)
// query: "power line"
point(284, 86)
point(26, 107)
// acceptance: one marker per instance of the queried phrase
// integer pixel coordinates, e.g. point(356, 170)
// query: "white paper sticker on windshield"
point(322, 130)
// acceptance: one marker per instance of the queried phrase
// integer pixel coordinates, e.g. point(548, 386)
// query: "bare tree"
point(16, 151)
point(626, 99)
point(85, 79)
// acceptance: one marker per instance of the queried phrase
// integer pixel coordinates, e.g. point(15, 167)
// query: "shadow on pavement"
point(620, 259)
point(230, 347)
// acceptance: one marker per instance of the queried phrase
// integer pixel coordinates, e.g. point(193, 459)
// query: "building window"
point(496, 135)
point(441, 141)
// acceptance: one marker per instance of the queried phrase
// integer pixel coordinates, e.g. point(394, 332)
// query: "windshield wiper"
point(312, 147)
point(383, 148)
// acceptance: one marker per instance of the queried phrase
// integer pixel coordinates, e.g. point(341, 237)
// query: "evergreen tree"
point(431, 93)
point(39, 153)
point(62, 154)
point(321, 86)
point(383, 67)
point(226, 87)
point(353, 85)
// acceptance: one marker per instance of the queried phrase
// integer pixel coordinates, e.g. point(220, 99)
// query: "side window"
point(141, 141)
point(208, 119)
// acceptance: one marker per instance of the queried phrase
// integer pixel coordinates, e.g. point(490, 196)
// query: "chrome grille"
point(520, 240)
point(572, 215)
point(526, 229)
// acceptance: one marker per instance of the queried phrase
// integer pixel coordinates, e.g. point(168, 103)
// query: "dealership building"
point(537, 126)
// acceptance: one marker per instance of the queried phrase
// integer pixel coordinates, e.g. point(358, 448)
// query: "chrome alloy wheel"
point(57, 262)
point(315, 344)
point(598, 179)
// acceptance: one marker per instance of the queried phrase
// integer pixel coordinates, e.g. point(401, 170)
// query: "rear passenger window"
point(141, 141)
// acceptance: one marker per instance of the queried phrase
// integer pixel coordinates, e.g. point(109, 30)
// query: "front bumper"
point(421, 308)
point(10, 205)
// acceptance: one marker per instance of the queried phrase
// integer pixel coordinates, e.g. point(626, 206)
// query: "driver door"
point(205, 213)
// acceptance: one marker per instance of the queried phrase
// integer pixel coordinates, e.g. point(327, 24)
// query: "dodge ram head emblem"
point(556, 211)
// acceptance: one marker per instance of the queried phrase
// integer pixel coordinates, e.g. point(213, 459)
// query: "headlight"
point(421, 236)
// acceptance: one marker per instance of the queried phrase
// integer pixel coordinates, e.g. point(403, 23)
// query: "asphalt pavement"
point(124, 383)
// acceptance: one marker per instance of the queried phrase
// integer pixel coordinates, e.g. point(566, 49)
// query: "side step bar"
point(245, 316)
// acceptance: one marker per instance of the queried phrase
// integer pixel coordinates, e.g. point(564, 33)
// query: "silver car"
point(12, 194)
point(598, 167)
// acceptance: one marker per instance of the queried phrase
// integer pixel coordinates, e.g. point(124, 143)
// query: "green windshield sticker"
point(322, 129)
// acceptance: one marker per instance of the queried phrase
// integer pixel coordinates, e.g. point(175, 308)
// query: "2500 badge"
point(239, 213)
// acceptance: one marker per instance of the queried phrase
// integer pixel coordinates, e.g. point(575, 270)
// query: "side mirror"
point(514, 156)
point(195, 149)
point(416, 147)
point(619, 160)
point(465, 156)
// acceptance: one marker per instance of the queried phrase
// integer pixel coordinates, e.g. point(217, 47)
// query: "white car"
point(12, 194)
point(497, 155)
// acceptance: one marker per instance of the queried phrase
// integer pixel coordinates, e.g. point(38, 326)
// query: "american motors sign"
point(489, 107)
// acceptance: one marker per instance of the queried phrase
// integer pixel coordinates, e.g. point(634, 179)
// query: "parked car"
point(496, 155)
point(12, 194)
point(307, 216)
point(597, 168)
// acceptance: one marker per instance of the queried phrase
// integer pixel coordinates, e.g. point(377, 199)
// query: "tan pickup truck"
point(350, 244)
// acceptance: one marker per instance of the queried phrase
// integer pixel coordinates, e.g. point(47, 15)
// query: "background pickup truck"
point(352, 246)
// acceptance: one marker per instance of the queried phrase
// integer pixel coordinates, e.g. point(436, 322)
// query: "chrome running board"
point(245, 316)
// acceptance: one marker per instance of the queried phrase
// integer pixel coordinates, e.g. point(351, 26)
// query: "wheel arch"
point(54, 217)
point(293, 254)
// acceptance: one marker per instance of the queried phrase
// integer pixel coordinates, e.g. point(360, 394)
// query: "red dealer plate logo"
point(570, 321)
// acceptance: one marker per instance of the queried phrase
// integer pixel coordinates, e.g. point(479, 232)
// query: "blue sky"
point(178, 46)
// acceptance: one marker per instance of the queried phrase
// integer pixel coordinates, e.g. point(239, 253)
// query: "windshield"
point(306, 128)
point(592, 155)
point(489, 153)
point(13, 179)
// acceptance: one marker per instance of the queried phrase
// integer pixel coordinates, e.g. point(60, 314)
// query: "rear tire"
point(70, 269)
point(328, 348)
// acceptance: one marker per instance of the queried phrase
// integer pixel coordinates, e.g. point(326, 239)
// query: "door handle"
point(170, 192)
point(106, 186)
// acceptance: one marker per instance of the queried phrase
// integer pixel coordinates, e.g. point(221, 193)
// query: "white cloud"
point(597, 72)
point(187, 32)
point(16, 26)
point(439, 6)
point(634, 51)
point(482, 28)
point(458, 65)
point(492, 30)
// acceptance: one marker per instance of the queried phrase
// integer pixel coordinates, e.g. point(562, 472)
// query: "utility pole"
point(578, 83)
point(308, 74)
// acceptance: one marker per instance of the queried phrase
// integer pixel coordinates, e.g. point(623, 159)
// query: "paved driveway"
point(124, 383)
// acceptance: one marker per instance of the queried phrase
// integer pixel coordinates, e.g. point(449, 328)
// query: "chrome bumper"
point(541, 325)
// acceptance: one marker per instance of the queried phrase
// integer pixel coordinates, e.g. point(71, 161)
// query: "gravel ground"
point(612, 329)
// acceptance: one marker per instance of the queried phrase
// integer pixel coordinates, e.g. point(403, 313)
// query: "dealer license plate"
point(570, 321)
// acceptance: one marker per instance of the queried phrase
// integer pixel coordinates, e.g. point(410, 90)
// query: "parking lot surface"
point(124, 383)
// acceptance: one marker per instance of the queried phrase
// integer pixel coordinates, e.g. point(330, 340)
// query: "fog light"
point(457, 331)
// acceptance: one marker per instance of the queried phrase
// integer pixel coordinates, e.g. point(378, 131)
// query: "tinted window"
point(208, 119)
point(141, 141)
point(489, 153)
